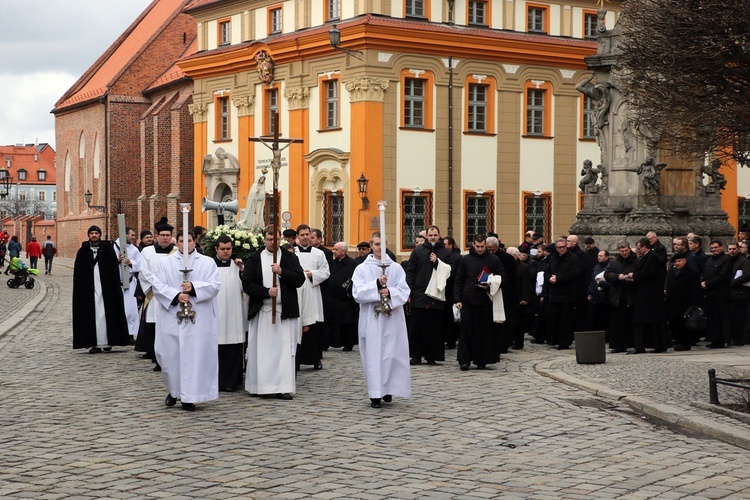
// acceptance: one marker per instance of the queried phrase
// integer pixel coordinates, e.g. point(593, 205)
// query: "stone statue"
point(252, 216)
point(590, 176)
point(717, 178)
point(650, 173)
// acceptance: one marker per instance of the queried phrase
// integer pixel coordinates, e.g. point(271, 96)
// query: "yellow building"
point(505, 156)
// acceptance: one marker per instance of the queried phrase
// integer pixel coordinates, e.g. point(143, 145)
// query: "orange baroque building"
point(463, 114)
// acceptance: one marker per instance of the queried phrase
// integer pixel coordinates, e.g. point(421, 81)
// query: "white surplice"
point(383, 341)
point(128, 296)
point(271, 348)
point(149, 262)
point(315, 262)
point(188, 353)
point(231, 306)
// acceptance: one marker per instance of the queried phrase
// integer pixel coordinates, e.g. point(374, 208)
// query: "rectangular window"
point(3, 173)
point(332, 103)
point(589, 130)
point(333, 10)
point(275, 20)
point(268, 210)
point(42, 175)
point(273, 111)
point(22, 196)
point(537, 210)
point(333, 217)
point(477, 108)
point(225, 32)
point(414, 102)
point(535, 112)
point(222, 118)
point(744, 211)
point(478, 12)
point(22, 175)
point(42, 196)
point(415, 8)
point(417, 215)
point(589, 25)
point(537, 20)
point(479, 213)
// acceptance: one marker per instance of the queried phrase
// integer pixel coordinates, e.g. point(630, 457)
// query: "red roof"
point(118, 57)
point(31, 158)
point(174, 73)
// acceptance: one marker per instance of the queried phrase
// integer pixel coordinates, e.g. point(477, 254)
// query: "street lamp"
point(5, 182)
point(87, 196)
point(334, 37)
point(362, 183)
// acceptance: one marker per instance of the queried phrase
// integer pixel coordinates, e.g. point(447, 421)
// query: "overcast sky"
point(45, 46)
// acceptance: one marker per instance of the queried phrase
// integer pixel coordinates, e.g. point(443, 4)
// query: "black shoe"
point(146, 356)
point(535, 341)
point(636, 352)
point(285, 396)
point(375, 403)
point(94, 350)
point(387, 398)
point(318, 366)
point(431, 362)
point(464, 367)
point(170, 401)
point(517, 347)
point(680, 347)
point(347, 349)
point(563, 347)
point(715, 346)
point(157, 368)
point(106, 349)
point(415, 361)
point(188, 406)
point(450, 345)
point(481, 367)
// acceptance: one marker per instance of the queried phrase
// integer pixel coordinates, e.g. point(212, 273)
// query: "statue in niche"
point(252, 216)
point(717, 178)
point(650, 173)
point(599, 93)
point(590, 175)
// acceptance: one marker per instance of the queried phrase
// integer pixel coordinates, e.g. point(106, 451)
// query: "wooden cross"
point(272, 142)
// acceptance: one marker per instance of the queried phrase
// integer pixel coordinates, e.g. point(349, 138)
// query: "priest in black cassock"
point(99, 320)
point(341, 310)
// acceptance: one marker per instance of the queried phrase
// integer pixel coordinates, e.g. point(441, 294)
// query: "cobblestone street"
point(86, 426)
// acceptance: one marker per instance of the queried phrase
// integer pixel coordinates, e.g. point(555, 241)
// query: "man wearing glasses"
point(561, 281)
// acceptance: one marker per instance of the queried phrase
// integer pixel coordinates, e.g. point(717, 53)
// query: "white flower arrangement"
point(245, 243)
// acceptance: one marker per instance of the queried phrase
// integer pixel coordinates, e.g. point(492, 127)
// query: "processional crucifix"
point(272, 142)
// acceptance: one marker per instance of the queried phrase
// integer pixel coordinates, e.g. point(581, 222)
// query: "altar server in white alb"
point(134, 266)
point(232, 314)
point(187, 351)
point(383, 341)
point(271, 344)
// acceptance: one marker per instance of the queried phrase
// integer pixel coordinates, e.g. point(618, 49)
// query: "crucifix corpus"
point(273, 142)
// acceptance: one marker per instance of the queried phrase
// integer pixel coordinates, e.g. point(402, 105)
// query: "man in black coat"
point(598, 295)
point(341, 311)
point(99, 320)
point(657, 247)
point(504, 330)
point(586, 265)
point(451, 329)
point(648, 303)
point(717, 277)
point(683, 290)
point(562, 281)
point(477, 341)
point(621, 297)
point(425, 320)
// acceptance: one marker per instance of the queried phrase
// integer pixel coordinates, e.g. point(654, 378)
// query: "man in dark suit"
point(562, 282)
point(648, 300)
point(716, 285)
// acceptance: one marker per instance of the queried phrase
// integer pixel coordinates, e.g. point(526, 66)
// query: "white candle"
point(185, 209)
point(381, 209)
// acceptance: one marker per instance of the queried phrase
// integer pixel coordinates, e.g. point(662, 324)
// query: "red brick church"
point(124, 131)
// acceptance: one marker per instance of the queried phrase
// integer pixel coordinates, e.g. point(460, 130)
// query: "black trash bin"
point(590, 347)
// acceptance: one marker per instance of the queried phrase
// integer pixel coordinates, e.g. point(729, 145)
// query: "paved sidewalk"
point(672, 386)
point(93, 426)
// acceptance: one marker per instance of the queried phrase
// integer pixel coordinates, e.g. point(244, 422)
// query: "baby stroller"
point(22, 275)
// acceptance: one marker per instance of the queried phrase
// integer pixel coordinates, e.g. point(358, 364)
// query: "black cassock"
point(84, 308)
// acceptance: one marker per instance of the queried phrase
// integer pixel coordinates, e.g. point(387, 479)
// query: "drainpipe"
point(451, 5)
point(105, 101)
